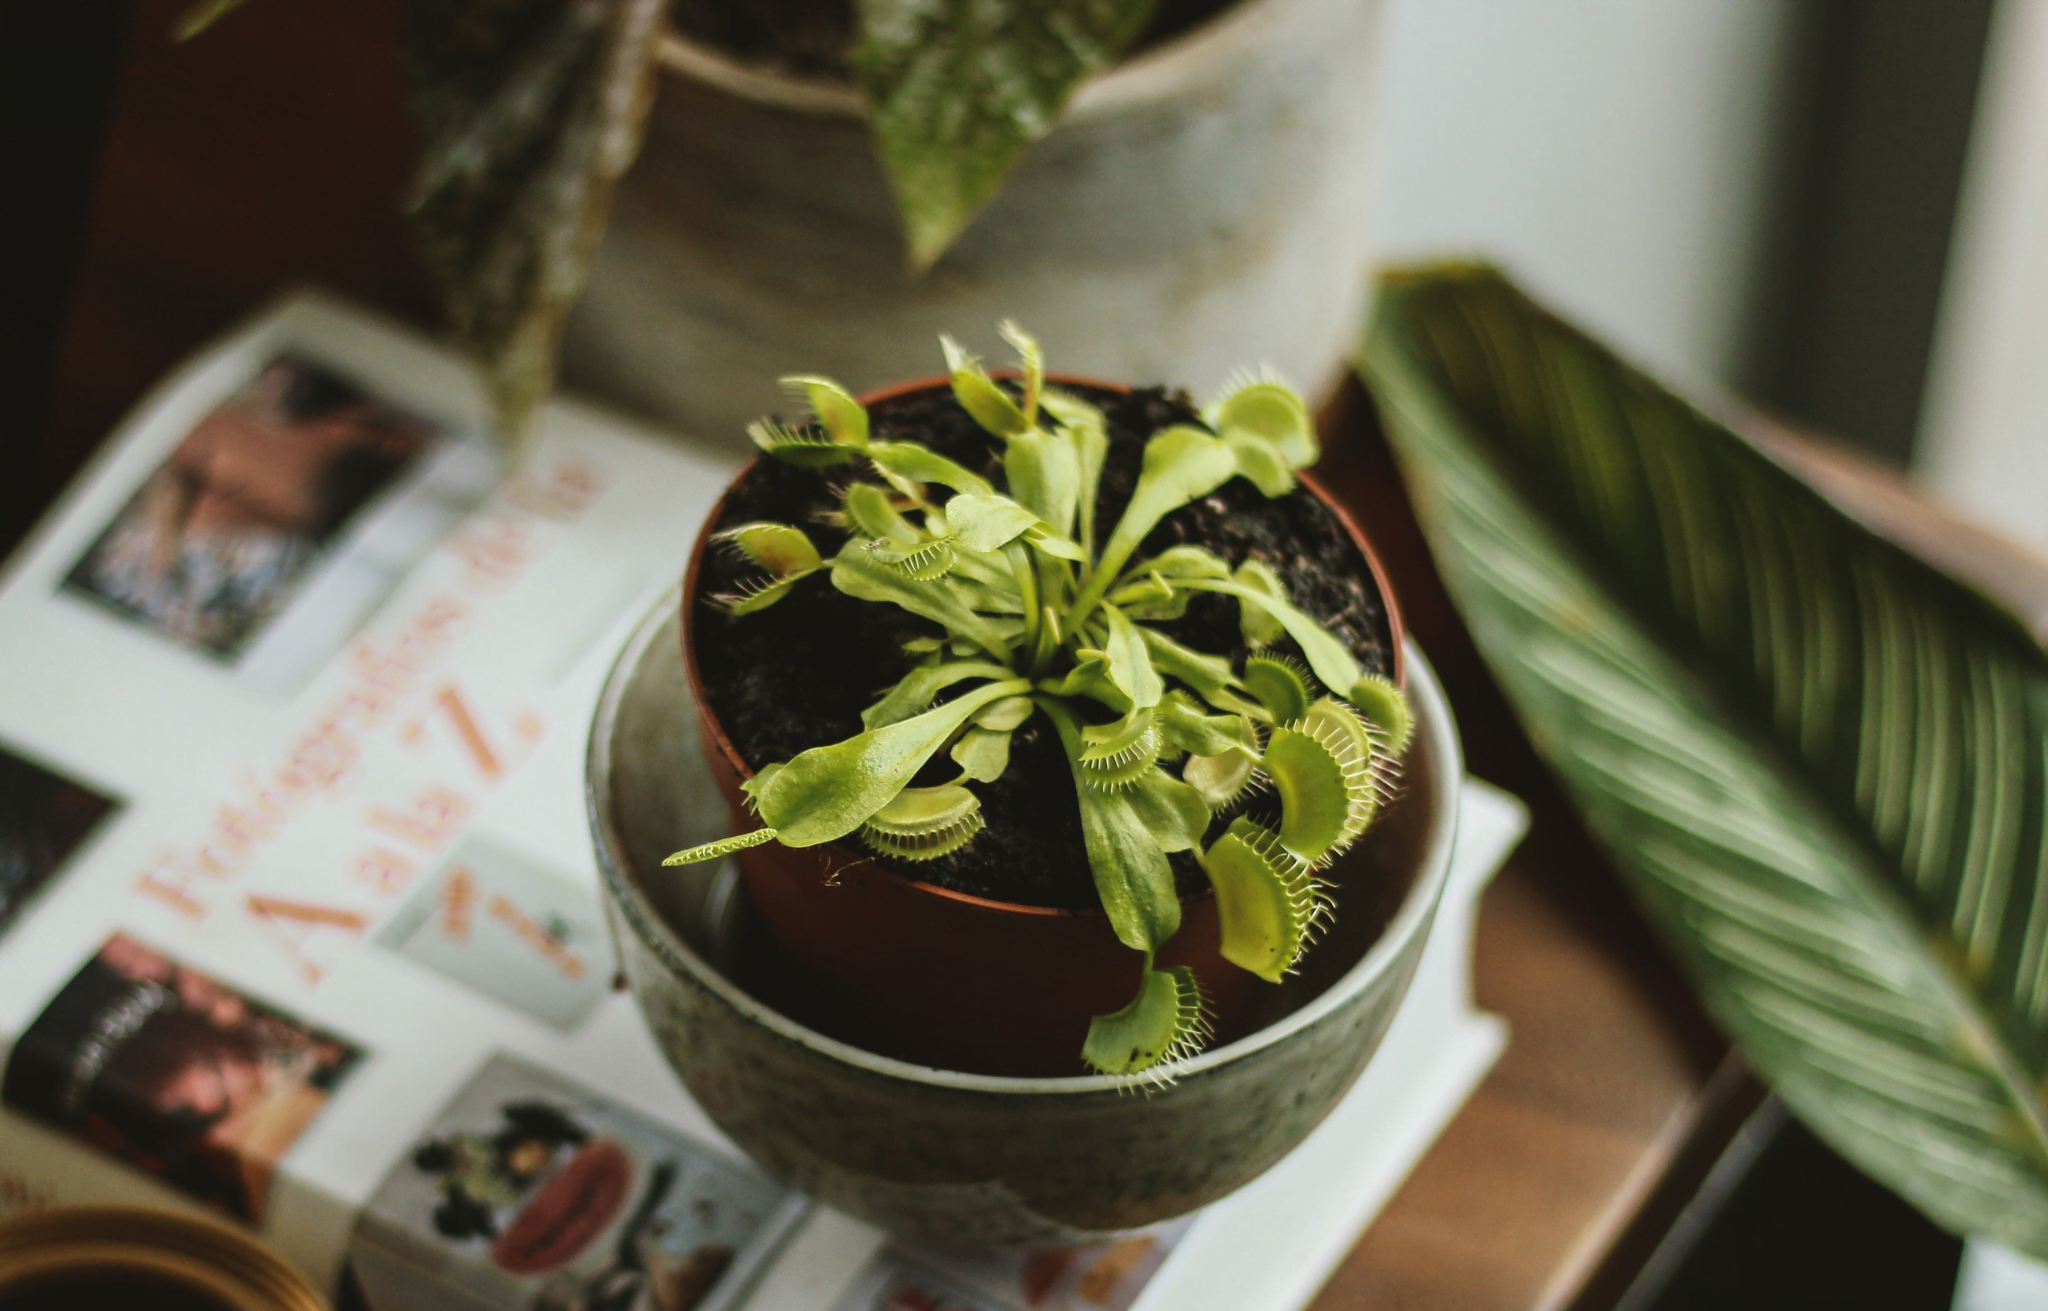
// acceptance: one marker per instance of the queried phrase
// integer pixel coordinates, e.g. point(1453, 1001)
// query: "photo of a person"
point(43, 819)
point(166, 1067)
point(222, 535)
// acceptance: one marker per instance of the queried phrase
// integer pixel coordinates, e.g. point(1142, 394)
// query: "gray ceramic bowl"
point(969, 1159)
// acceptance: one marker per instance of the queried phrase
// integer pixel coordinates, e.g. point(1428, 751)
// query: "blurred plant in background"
point(530, 111)
point(1820, 764)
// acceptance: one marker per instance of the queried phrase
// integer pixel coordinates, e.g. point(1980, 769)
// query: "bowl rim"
point(1417, 909)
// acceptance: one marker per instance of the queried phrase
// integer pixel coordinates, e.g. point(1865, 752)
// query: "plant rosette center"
point(1031, 610)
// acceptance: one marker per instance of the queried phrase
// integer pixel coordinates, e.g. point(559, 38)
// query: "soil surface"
point(798, 674)
point(815, 38)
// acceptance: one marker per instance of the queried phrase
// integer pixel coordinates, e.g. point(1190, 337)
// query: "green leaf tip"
point(1267, 413)
point(1281, 685)
point(979, 395)
point(844, 419)
point(921, 563)
point(722, 848)
point(1166, 1024)
point(924, 823)
point(1268, 901)
point(1323, 766)
point(955, 93)
point(803, 448)
point(778, 548)
point(1257, 624)
point(1113, 755)
point(1386, 710)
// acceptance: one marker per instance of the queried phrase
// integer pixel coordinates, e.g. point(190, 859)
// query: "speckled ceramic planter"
point(1200, 208)
point(970, 1159)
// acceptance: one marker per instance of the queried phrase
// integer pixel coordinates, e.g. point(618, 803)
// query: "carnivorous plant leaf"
point(1084, 424)
point(1209, 675)
point(922, 563)
point(909, 460)
point(1221, 779)
point(1313, 800)
point(986, 521)
point(1267, 901)
point(1262, 464)
point(1386, 710)
point(1280, 684)
point(1332, 662)
point(1257, 624)
point(856, 573)
point(925, 823)
point(722, 848)
point(915, 691)
point(1268, 412)
point(805, 448)
point(1129, 663)
point(1166, 1023)
point(982, 754)
point(842, 417)
point(776, 547)
point(1043, 470)
point(1181, 464)
point(1007, 714)
point(1116, 754)
point(1187, 729)
point(869, 510)
point(828, 792)
point(1132, 876)
point(758, 594)
point(978, 394)
point(1174, 812)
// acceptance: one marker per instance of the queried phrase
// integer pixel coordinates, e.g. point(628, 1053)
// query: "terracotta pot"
point(926, 974)
point(1201, 207)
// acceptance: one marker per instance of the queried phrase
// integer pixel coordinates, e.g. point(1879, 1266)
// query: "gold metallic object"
point(44, 1254)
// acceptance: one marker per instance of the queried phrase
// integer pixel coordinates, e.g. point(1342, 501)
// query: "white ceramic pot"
point(1199, 209)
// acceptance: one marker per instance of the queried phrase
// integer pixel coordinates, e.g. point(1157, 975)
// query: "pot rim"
point(1397, 632)
point(1433, 720)
point(1190, 58)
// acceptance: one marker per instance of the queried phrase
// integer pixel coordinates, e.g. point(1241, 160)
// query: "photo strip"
point(177, 1073)
point(44, 818)
point(280, 521)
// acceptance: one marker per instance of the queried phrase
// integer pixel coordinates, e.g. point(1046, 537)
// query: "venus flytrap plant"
point(1038, 619)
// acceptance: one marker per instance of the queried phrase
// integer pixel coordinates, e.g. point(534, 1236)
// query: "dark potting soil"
point(815, 38)
point(798, 674)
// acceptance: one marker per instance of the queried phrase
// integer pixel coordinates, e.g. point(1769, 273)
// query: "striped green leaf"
point(1821, 764)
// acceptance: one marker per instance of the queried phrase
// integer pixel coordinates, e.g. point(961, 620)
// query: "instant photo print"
point(177, 1073)
point(528, 1191)
point(508, 926)
point(281, 519)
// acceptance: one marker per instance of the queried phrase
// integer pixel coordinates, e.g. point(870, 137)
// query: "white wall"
point(1613, 154)
point(1983, 441)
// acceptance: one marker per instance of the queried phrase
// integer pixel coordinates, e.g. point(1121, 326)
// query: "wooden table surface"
point(267, 154)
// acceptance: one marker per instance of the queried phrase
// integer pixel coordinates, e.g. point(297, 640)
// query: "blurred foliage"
point(1821, 765)
point(529, 113)
point(531, 110)
point(958, 88)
